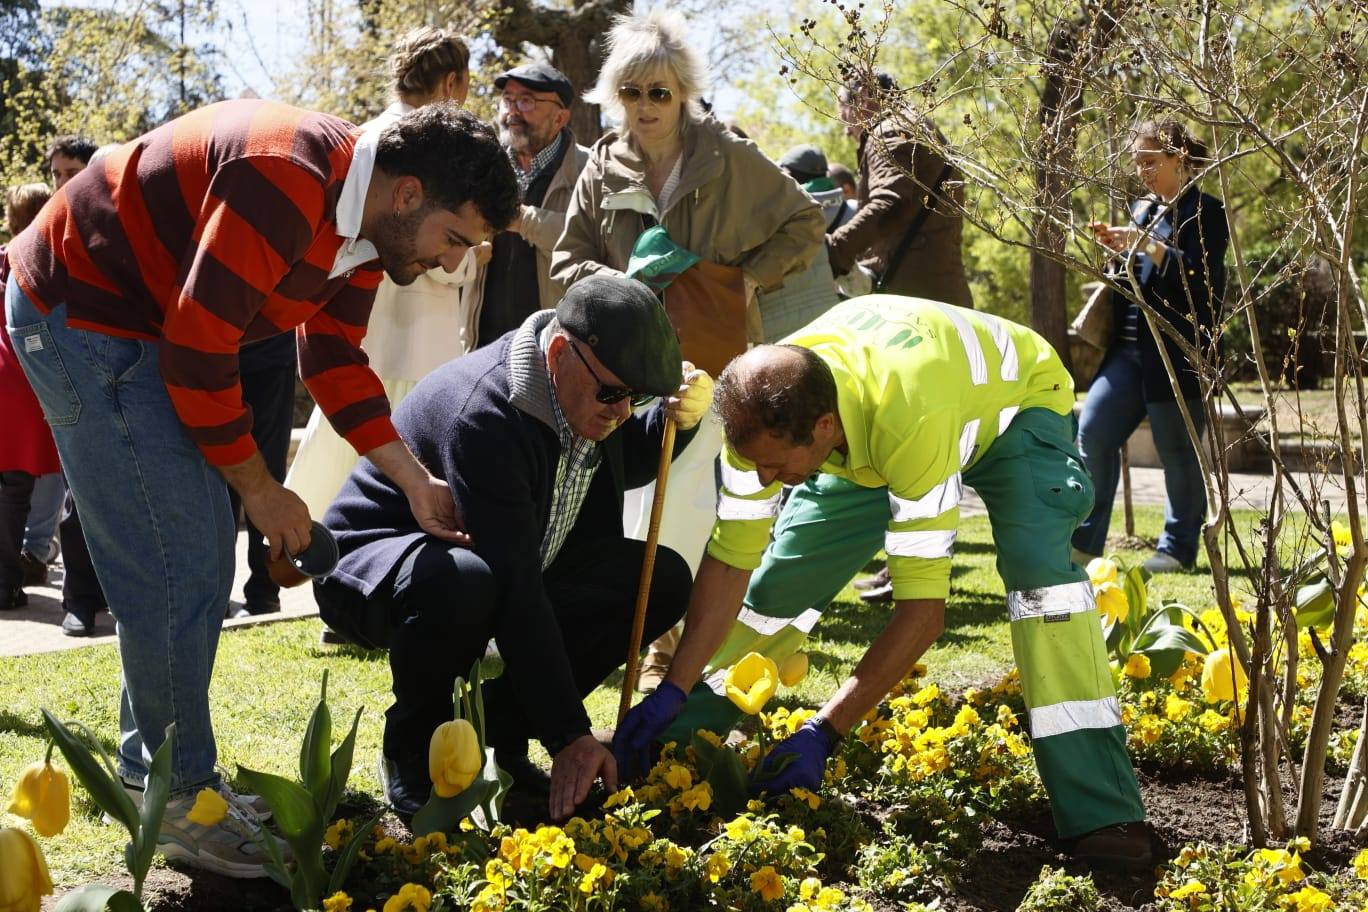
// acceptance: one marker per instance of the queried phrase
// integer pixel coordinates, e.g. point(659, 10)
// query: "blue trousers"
point(156, 518)
point(1113, 410)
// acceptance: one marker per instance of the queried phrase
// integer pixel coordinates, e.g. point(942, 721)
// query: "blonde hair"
point(424, 56)
point(23, 203)
point(639, 47)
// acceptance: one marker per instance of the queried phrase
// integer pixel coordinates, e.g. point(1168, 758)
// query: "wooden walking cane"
point(629, 679)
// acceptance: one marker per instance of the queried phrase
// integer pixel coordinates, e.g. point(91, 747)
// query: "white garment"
point(690, 498)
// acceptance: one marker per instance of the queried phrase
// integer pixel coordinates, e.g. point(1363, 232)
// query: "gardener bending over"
point(879, 414)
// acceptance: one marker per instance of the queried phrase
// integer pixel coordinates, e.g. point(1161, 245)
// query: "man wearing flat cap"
point(534, 117)
point(537, 438)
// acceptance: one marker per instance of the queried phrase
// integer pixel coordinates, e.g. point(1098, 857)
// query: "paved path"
point(37, 628)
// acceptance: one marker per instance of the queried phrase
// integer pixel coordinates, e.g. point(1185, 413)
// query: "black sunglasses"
point(607, 393)
point(657, 94)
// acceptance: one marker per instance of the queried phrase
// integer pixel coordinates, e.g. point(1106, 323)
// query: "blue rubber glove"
point(643, 726)
point(810, 746)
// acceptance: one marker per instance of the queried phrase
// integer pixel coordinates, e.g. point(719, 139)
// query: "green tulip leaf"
point(706, 753)
point(727, 777)
point(102, 785)
point(442, 815)
point(315, 768)
point(98, 898)
point(1315, 605)
point(339, 766)
point(1160, 637)
point(477, 714)
point(292, 806)
point(155, 794)
point(1135, 586)
point(502, 782)
point(347, 857)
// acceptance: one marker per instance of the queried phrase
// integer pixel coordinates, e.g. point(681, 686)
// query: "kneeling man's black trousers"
point(442, 606)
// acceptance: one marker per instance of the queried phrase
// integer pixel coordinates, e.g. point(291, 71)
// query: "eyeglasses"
point(607, 393)
point(657, 95)
point(526, 103)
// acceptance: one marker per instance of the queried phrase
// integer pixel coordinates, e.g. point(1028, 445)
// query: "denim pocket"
point(115, 356)
point(43, 364)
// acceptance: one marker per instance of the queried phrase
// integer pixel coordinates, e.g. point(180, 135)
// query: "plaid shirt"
point(579, 458)
point(540, 161)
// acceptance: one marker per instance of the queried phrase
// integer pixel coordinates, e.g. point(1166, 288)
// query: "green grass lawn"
point(267, 677)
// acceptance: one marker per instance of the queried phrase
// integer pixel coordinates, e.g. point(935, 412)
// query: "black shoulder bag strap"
point(912, 231)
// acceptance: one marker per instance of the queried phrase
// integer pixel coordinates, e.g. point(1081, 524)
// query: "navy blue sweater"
point(483, 423)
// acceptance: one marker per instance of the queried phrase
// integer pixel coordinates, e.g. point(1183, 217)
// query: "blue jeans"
point(1113, 410)
point(156, 519)
point(45, 509)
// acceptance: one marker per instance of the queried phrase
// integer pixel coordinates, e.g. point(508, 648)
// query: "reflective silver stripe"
point(1005, 418)
point(807, 620)
point(729, 507)
point(929, 545)
point(1074, 715)
point(968, 441)
point(739, 481)
point(717, 682)
point(1005, 346)
point(1066, 598)
point(978, 366)
point(933, 503)
point(763, 624)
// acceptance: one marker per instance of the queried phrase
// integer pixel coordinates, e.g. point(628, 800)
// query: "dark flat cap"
point(540, 77)
point(805, 163)
point(626, 327)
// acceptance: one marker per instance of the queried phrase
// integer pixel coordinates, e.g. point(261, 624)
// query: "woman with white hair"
point(717, 211)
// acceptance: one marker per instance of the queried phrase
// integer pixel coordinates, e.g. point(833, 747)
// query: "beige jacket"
point(732, 206)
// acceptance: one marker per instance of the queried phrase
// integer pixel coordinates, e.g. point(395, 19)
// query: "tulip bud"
point(794, 669)
point(1222, 677)
point(454, 758)
point(1102, 570)
point(751, 682)
point(43, 795)
point(24, 878)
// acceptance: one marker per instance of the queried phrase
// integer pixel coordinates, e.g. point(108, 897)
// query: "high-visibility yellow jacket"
point(923, 389)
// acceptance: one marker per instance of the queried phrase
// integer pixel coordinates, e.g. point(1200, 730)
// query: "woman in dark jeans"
point(1179, 237)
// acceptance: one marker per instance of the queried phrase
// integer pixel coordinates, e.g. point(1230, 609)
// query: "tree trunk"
point(574, 37)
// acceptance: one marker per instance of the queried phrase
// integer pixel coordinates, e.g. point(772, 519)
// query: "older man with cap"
point(537, 438)
point(534, 117)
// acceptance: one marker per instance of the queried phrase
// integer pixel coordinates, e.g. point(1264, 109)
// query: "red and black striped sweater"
point(216, 229)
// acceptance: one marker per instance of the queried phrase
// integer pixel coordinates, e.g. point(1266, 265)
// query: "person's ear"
point(407, 194)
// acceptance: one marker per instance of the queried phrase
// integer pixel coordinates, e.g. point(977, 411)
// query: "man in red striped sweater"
point(130, 297)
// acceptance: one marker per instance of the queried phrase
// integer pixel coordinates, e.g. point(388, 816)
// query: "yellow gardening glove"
point(688, 406)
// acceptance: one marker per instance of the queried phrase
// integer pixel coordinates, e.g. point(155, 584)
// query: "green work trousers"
point(1032, 481)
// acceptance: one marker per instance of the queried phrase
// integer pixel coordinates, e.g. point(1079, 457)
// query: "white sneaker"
point(254, 803)
point(1163, 562)
point(230, 847)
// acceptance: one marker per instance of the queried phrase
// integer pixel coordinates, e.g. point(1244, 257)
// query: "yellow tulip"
point(209, 809)
point(751, 682)
point(1222, 677)
point(1102, 570)
point(24, 877)
point(43, 795)
point(1112, 602)
point(454, 758)
point(794, 669)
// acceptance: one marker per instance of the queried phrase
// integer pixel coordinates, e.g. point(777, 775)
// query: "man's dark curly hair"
point(77, 147)
point(783, 396)
point(456, 156)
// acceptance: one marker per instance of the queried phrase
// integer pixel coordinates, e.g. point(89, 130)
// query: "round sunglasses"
point(657, 95)
point(608, 394)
